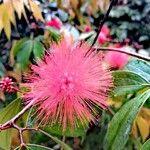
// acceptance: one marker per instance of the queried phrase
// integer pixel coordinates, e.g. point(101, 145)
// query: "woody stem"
point(10, 123)
point(125, 52)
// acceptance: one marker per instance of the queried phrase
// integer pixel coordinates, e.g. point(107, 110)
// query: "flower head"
point(55, 23)
point(69, 85)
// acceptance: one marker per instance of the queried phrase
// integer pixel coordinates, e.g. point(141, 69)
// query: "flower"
point(104, 34)
point(34, 26)
point(55, 23)
point(68, 85)
point(87, 28)
point(116, 60)
point(6, 85)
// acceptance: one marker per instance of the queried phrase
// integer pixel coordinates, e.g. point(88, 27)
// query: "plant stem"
point(101, 23)
point(10, 123)
point(125, 52)
point(63, 140)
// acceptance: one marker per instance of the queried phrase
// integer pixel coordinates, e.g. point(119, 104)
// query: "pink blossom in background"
point(34, 25)
point(87, 28)
point(68, 85)
point(118, 45)
point(105, 30)
point(104, 35)
point(116, 60)
point(55, 23)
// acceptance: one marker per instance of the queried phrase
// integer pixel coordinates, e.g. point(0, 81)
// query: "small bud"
point(7, 85)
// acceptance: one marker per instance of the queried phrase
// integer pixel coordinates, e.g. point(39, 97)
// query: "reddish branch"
point(12, 123)
point(125, 52)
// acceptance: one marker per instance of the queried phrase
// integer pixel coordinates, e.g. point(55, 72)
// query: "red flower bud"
point(7, 85)
point(55, 23)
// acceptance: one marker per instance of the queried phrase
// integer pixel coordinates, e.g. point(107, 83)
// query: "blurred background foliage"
point(26, 32)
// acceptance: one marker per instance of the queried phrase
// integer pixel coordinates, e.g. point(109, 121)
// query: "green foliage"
point(126, 82)
point(38, 49)
point(146, 145)
point(120, 126)
point(140, 67)
point(95, 135)
point(23, 54)
point(54, 34)
point(6, 114)
point(129, 20)
point(62, 144)
point(57, 130)
point(23, 50)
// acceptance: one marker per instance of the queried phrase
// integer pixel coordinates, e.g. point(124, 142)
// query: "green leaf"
point(120, 125)
point(54, 34)
point(18, 46)
point(126, 82)
point(62, 144)
point(37, 147)
point(2, 69)
point(146, 145)
point(140, 67)
point(38, 49)
point(57, 130)
point(23, 54)
point(6, 114)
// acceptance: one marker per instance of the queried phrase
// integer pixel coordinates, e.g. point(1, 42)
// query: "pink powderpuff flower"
point(104, 35)
point(55, 23)
point(68, 85)
point(116, 60)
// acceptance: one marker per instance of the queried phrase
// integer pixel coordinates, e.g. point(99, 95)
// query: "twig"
point(20, 134)
point(103, 20)
point(101, 23)
point(125, 52)
point(11, 122)
point(29, 129)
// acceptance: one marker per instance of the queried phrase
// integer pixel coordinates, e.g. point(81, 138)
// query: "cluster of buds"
point(7, 85)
